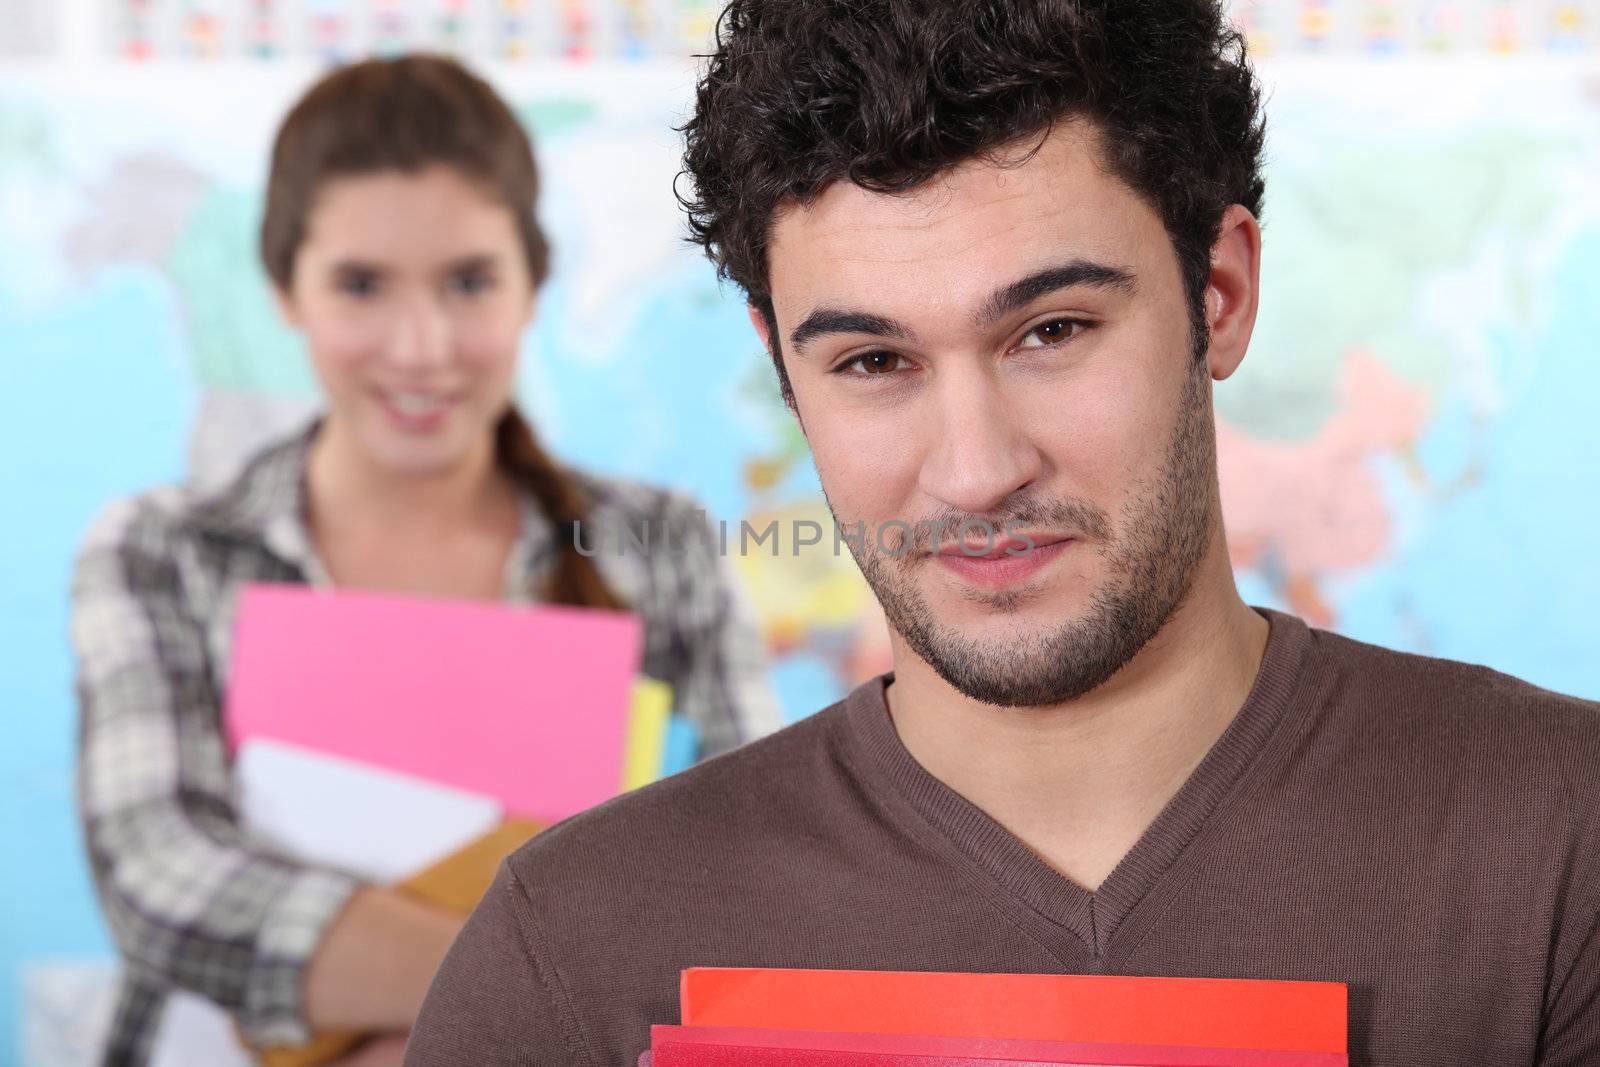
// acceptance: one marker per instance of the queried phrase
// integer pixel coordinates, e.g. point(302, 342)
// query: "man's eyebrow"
point(826, 320)
point(1008, 298)
point(1079, 272)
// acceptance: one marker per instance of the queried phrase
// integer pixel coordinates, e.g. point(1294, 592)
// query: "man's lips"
point(997, 567)
point(1009, 547)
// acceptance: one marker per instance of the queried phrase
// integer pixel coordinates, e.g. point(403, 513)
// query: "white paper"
point(375, 823)
point(66, 1011)
point(66, 1016)
point(194, 1032)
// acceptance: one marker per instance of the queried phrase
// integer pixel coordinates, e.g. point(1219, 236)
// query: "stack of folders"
point(538, 708)
point(737, 1017)
point(416, 743)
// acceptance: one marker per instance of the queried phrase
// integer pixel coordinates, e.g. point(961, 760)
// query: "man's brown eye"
point(879, 362)
point(871, 363)
point(1053, 332)
point(1058, 330)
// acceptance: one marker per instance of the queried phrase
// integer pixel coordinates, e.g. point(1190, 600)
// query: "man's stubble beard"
point(1151, 555)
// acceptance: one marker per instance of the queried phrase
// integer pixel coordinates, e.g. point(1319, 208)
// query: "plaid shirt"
point(191, 900)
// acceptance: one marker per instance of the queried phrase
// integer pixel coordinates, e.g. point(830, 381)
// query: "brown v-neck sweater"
point(1426, 831)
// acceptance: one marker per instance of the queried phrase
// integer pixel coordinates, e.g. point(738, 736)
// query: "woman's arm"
point(372, 969)
point(189, 899)
point(722, 683)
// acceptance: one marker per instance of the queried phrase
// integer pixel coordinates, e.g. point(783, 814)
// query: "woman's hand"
point(376, 961)
point(386, 1050)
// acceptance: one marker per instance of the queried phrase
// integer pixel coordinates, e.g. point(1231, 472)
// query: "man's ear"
point(1233, 291)
point(759, 320)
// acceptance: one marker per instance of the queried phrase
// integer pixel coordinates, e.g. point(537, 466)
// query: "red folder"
point(684, 1055)
point(673, 1045)
point(1196, 1012)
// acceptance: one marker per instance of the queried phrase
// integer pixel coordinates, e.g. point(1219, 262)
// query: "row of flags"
point(338, 30)
point(1418, 27)
point(582, 30)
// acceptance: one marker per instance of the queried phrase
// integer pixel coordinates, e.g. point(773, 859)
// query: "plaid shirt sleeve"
point(190, 901)
point(722, 683)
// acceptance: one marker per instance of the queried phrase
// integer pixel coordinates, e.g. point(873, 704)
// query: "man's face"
point(1009, 346)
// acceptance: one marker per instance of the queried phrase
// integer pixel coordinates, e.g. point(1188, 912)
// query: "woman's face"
point(413, 292)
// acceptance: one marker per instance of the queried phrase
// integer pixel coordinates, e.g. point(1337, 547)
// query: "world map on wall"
point(1407, 454)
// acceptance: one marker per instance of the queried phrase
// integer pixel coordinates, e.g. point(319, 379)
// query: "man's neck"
point(1080, 782)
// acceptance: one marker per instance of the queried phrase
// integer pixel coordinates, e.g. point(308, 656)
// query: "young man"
point(999, 250)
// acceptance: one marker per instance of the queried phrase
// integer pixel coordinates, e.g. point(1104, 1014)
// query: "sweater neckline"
point(1092, 917)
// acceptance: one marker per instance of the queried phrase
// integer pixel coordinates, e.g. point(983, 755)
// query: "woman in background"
point(401, 238)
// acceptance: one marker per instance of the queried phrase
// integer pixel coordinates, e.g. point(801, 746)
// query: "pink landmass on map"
point(1315, 506)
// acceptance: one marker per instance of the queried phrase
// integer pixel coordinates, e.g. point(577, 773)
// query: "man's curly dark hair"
point(888, 93)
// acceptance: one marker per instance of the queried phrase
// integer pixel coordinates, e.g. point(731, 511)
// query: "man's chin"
point(1041, 654)
point(1004, 615)
point(1016, 677)
point(1002, 681)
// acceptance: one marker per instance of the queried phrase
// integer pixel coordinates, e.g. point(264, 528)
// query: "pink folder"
point(526, 705)
point(706, 1045)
